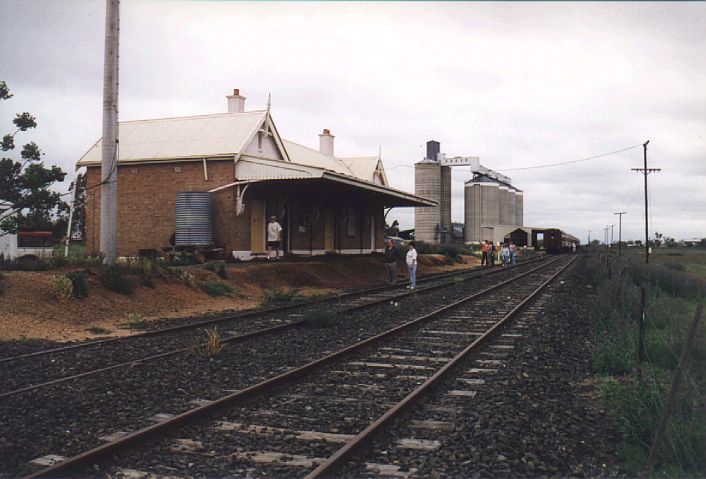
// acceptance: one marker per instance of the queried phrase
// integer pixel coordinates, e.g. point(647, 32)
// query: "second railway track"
point(444, 340)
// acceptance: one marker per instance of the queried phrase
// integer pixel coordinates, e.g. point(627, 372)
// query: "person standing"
point(484, 253)
point(391, 255)
point(513, 253)
point(412, 265)
point(274, 237)
point(491, 254)
point(504, 254)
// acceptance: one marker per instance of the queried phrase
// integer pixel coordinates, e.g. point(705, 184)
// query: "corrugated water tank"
point(194, 218)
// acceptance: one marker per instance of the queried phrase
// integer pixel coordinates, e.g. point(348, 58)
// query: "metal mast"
point(109, 158)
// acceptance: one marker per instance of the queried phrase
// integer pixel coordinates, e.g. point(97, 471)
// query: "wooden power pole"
point(620, 229)
point(646, 171)
point(109, 153)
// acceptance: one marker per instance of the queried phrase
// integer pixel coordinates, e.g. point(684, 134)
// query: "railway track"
point(317, 415)
point(79, 361)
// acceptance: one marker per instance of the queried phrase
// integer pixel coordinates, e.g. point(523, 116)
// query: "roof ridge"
point(209, 115)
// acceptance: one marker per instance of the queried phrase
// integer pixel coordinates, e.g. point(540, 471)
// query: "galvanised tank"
point(194, 218)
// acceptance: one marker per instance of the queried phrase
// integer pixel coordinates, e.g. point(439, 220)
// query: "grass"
point(279, 297)
point(135, 321)
point(98, 330)
point(635, 401)
point(209, 347)
point(215, 288)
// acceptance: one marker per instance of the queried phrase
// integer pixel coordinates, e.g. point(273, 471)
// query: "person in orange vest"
point(484, 254)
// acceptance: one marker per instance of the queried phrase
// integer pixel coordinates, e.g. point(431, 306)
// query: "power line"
point(570, 162)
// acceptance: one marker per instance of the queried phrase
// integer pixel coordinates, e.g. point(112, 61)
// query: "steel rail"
point(237, 338)
point(253, 392)
point(254, 312)
point(364, 438)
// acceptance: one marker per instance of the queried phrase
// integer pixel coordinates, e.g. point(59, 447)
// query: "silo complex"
point(489, 203)
point(432, 181)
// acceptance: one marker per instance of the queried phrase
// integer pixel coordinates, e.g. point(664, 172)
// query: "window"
point(352, 220)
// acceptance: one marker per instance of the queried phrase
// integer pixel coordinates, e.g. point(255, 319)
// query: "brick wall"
point(147, 199)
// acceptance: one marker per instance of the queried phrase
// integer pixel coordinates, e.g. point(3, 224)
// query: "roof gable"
point(165, 139)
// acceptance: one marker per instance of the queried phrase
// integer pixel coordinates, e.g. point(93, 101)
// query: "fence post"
point(667, 411)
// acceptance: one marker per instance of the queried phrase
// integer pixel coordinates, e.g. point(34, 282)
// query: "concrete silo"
point(432, 181)
point(519, 219)
point(503, 210)
point(512, 206)
point(481, 208)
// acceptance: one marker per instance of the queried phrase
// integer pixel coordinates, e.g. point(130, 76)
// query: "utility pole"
point(589, 237)
point(109, 153)
point(605, 235)
point(620, 229)
point(611, 234)
point(646, 171)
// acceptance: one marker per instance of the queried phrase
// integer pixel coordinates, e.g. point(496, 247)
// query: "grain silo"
point(519, 219)
point(482, 200)
point(503, 210)
point(512, 206)
point(433, 181)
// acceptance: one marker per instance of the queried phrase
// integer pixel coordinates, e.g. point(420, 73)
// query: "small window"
point(352, 221)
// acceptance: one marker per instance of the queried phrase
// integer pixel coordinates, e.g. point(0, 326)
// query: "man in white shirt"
point(412, 265)
point(274, 237)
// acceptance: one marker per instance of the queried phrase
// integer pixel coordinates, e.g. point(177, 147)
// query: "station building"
point(325, 203)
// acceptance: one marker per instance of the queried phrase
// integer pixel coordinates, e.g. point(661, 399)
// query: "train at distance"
point(557, 241)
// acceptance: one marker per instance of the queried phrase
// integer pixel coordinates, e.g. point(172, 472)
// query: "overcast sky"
point(517, 84)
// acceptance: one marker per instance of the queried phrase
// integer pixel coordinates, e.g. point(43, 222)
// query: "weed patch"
point(214, 288)
point(210, 346)
point(279, 297)
point(61, 288)
point(113, 278)
point(79, 282)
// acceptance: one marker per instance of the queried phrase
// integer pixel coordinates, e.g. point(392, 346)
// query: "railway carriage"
point(557, 241)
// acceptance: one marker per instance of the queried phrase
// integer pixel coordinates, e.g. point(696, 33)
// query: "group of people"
point(391, 255)
point(507, 253)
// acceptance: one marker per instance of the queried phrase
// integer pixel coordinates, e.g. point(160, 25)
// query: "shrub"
point(2, 283)
point(222, 271)
point(210, 267)
point(279, 297)
point(112, 278)
point(79, 283)
point(61, 287)
point(212, 346)
point(321, 318)
point(214, 288)
point(134, 321)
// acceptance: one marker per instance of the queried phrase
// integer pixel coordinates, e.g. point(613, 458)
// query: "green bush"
point(214, 288)
point(210, 267)
point(79, 282)
point(113, 278)
point(61, 287)
point(222, 271)
point(279, 297)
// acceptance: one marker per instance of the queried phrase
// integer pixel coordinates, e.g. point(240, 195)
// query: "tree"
point(25, 198)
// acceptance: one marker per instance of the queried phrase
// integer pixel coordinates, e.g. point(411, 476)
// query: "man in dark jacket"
point(391, 261)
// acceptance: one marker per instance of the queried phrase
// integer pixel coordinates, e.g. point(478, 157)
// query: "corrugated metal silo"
point(194, 218)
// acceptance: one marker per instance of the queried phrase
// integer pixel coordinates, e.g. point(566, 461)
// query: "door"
point(257, 226)
point(328, 231)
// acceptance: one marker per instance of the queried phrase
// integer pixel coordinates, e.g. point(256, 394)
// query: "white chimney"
point(236, 102)
point(326, 142)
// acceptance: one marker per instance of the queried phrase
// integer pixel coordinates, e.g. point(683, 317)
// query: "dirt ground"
point(29, 311)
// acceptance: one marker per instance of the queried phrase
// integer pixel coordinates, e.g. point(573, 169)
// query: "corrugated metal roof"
point(309, 156)
point(184, 137)
point(364, 167)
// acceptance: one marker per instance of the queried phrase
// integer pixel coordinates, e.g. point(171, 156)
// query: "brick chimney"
point(236, 102)
point(326, 142)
